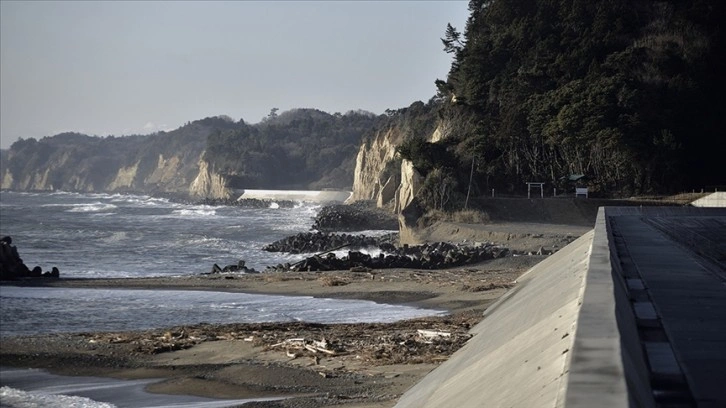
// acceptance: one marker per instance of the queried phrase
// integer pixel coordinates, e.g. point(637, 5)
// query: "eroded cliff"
point(389, 181)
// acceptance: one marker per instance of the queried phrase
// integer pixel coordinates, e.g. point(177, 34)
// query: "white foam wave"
point(274, 205)
point(116, 236)
point(135, 309)
point(14, 398)
point(93, 207)
point(197, 212)
point(375, 233)
point(140, 201)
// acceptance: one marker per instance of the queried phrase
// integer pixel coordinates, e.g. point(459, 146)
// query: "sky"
point(119, 68)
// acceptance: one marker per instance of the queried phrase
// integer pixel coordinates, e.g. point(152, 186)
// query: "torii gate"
point(531, 184)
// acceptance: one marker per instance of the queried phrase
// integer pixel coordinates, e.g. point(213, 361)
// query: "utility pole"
point(471, 177)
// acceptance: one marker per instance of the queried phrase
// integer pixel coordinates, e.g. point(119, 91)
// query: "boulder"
point(12, 266)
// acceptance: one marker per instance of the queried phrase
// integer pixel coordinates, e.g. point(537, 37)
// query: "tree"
point(452, 40)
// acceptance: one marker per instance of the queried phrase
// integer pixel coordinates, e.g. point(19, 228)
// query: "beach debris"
point(429, 335)
point(416, 341)
point(238, 268)
point(301, 344)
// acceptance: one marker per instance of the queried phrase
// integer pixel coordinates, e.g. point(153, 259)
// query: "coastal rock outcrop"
point(381, 176)
point(209, 183)
point(12, 266)
point(373, 165)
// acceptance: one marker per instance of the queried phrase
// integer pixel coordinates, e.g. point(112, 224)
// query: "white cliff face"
point(166, 172)
point(411, 182)
point(7, 180)
point(124, 178)
point(208, 183)
point(372, 159)
point(371, 179)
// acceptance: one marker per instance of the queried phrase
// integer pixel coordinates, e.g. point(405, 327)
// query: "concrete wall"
point(575, 331)
point(322, 196)
point(521, 351)
point(717, 199)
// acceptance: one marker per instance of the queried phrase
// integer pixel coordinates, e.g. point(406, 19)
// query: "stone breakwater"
point(359, 216)
point(246, 202)
point(307, 242)
point(428, 256)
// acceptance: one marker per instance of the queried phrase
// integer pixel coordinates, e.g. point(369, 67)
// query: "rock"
point(358, 216)
point(12, 266)
point(427, 256)
point(312, 242)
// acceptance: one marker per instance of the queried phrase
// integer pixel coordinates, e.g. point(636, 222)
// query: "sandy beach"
point(360, 365)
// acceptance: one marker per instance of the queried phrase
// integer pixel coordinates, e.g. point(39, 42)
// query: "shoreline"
point(229, 364)
point(371, 366)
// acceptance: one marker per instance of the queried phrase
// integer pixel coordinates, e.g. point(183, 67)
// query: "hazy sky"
point(137, 67)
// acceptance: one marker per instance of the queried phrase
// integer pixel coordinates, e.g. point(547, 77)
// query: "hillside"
point(302, 148)
point(627, 94)
point(624, 95)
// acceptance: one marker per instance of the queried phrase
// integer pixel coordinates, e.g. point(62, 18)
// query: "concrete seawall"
point(633, 313)
point(316, 196)
point(522, 349)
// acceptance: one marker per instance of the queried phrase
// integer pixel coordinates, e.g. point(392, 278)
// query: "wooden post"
point(471, 176)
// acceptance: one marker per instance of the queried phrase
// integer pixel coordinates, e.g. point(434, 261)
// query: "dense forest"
point(300, 148)
point(629, 94)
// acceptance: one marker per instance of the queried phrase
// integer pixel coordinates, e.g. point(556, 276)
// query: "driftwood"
point(429, 335)
point(313, 346)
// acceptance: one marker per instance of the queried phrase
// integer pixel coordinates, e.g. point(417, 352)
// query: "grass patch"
point(461, 216)
point(332, 281)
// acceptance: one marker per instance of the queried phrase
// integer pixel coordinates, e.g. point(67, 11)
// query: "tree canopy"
point(627, 92)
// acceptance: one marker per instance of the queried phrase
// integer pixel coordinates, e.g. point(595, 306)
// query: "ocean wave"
point(140, 200)
point(14, 398)
point(195, 212)
point(93, 207)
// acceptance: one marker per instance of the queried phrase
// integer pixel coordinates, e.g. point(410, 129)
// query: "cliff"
point(208, 158)
point(382, 176)
point(155, 164)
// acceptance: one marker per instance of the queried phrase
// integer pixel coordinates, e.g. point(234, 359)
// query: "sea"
point(131, 236)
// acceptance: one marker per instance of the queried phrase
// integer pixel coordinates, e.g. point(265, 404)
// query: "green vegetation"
point(629, 93)
point(300, 148)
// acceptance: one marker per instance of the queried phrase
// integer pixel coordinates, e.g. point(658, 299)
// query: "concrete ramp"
point(315, 196)
point(717, 199)
point(520, 354)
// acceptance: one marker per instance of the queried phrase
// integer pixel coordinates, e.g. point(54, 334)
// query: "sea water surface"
point(123, 236)
point(111, 236)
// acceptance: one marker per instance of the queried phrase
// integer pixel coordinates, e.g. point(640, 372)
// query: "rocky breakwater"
point(12, 266)
point(428, 256)
point(309, 242)
point(358, 216)
point(247, 202)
